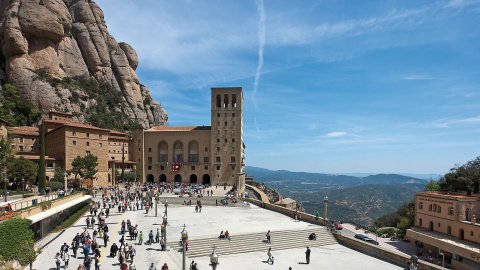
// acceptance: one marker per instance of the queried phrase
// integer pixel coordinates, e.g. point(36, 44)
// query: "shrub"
point(55, 185)
point(16, 238)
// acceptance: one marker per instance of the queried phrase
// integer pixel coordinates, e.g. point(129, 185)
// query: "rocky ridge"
point(51, 49)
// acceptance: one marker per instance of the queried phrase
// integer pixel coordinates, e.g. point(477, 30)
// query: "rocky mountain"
point(60, 55)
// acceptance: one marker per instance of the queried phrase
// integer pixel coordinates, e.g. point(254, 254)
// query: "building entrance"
point(206, 179)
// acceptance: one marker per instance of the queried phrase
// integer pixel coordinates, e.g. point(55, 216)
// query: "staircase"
point(255, 242)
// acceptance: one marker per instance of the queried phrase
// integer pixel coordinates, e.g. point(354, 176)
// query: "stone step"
point(255, 242)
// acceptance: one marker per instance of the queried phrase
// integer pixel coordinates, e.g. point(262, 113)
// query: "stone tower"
point(228, 150)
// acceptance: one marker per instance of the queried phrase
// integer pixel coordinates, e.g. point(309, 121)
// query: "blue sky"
point(329, 86)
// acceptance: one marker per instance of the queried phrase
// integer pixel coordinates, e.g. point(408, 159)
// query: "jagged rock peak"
point(51, 49)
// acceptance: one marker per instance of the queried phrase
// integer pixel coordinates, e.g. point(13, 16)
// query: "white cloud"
point(336, 134)
point(447, 122)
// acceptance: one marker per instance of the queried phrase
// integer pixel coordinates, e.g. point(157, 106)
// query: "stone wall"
point(390, 256)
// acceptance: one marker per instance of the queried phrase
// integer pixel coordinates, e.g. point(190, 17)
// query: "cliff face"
point(51, 49)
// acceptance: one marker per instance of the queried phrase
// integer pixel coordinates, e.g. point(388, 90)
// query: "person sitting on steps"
point(222, 235)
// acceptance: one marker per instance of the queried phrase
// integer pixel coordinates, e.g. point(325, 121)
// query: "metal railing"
point(16, 206)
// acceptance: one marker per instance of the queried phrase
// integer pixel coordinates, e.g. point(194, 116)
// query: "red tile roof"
point(73, 124)
point(111, 131)
point(119, 138)
point(187, 128)
point(31, 131)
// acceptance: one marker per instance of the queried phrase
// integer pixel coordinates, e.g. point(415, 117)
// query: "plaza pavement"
point(238, 219)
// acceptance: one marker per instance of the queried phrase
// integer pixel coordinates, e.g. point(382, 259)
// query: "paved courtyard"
point(237, 220)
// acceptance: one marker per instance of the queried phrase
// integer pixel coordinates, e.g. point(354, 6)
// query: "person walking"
point(307, 255)
point(268, 237)
point(66, 258)
point(97, 262)
point(152, 267)
point(87, 262)
point(269, 253)
point(140, 238)
point(58, 260)
point(150, 237)
point(157, 236)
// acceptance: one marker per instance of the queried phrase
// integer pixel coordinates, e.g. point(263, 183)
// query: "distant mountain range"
point(351, 198)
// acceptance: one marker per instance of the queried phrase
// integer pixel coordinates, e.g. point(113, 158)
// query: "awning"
point(58, 209)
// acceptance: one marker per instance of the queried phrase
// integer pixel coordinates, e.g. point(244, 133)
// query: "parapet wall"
point(288, 212)
point(396, 258)
point(390, 256)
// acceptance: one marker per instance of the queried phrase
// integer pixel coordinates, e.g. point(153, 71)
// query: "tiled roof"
point(119, 138)
point(31, 131)
point(31, 157)
point(73, 124)
point(188, 128)
point(111, 131)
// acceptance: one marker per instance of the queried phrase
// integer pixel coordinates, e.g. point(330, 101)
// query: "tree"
point(6, 153)
point(16, 237)
point(85, 167)
point(77, 167)
point(431, 186)
point(90, 165)
point(130, 176)
point(42, 177)
point(59, 175)
point(23, 168)
point(462, 178)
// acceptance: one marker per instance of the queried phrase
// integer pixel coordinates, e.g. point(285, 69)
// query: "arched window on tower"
point(163, 151)
point(178, 152)
point(234, 101)
point(225, 101)
point(219, 101)
point(193, 151)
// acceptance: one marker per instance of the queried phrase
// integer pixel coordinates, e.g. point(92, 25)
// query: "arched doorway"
point(430, 225)
point(163, 178)
point(193, 179)
point(150, 178)
point(178, 178)
point(462, 234)
point(206, 179)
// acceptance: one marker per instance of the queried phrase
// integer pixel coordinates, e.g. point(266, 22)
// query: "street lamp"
point(5, 181)
point(184, 240)
point(23, 187)
point(164, 225)
point(66, 183)
point(214, 259)
point(166, 207)
point(156, 204)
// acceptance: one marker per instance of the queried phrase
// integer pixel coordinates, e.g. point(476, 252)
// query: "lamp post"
point(166, 207)
point(23, 187)
point(214, 259)
point(165, 221)
point(66, 183)
point(5, 182)
point(184, 240)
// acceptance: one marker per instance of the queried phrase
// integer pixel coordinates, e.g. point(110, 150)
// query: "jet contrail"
point(261, 45)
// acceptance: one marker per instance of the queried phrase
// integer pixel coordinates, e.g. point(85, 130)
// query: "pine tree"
point(42, 178)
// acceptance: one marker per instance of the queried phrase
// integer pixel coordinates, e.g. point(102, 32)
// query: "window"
point(451, 211)
point(233, 168)
point(218, 123)
point(225, 101)
point(218, 132)
point(87, 153)
point(420, 205)
point(100, 136)
point(218, 114)
point(232, 159)
point(32, 149)
point(219, 101)
point(218, 149)
point(13, 146)
point(449, 230)
point(225, 132)
point(234, 101)
point(206, 168)
point(149, 149)
point(20, 148)
point(139, 149)
point(20, 139)
point(33, 139)
point(193, 151)
point(74, 142)
point(435, 207)
point(205, 159)
point(218, 140)
point(226, 114)
point(420, 222)
point(217, 159)
point(113, 158)
point(233, 139)
point(233, 114)
point(149, 167)
point(149, 160)
point(193, 168)
point(162, 167)
point(206, 149)
point(138, 141)
point(471, 233)
point(178, 151)
point(226, 123)
point(88, 143)
point(429, 207)
point(438, 224)
point(74, 133)
point(233, 123)
point(100, 145)
point(226, 140)
point(233, 132)
point(88, 135)
point(233, 149)
point(218, 168)
point(439, 209)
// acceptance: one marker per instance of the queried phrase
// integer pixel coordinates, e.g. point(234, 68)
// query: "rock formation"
point(48, 44)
